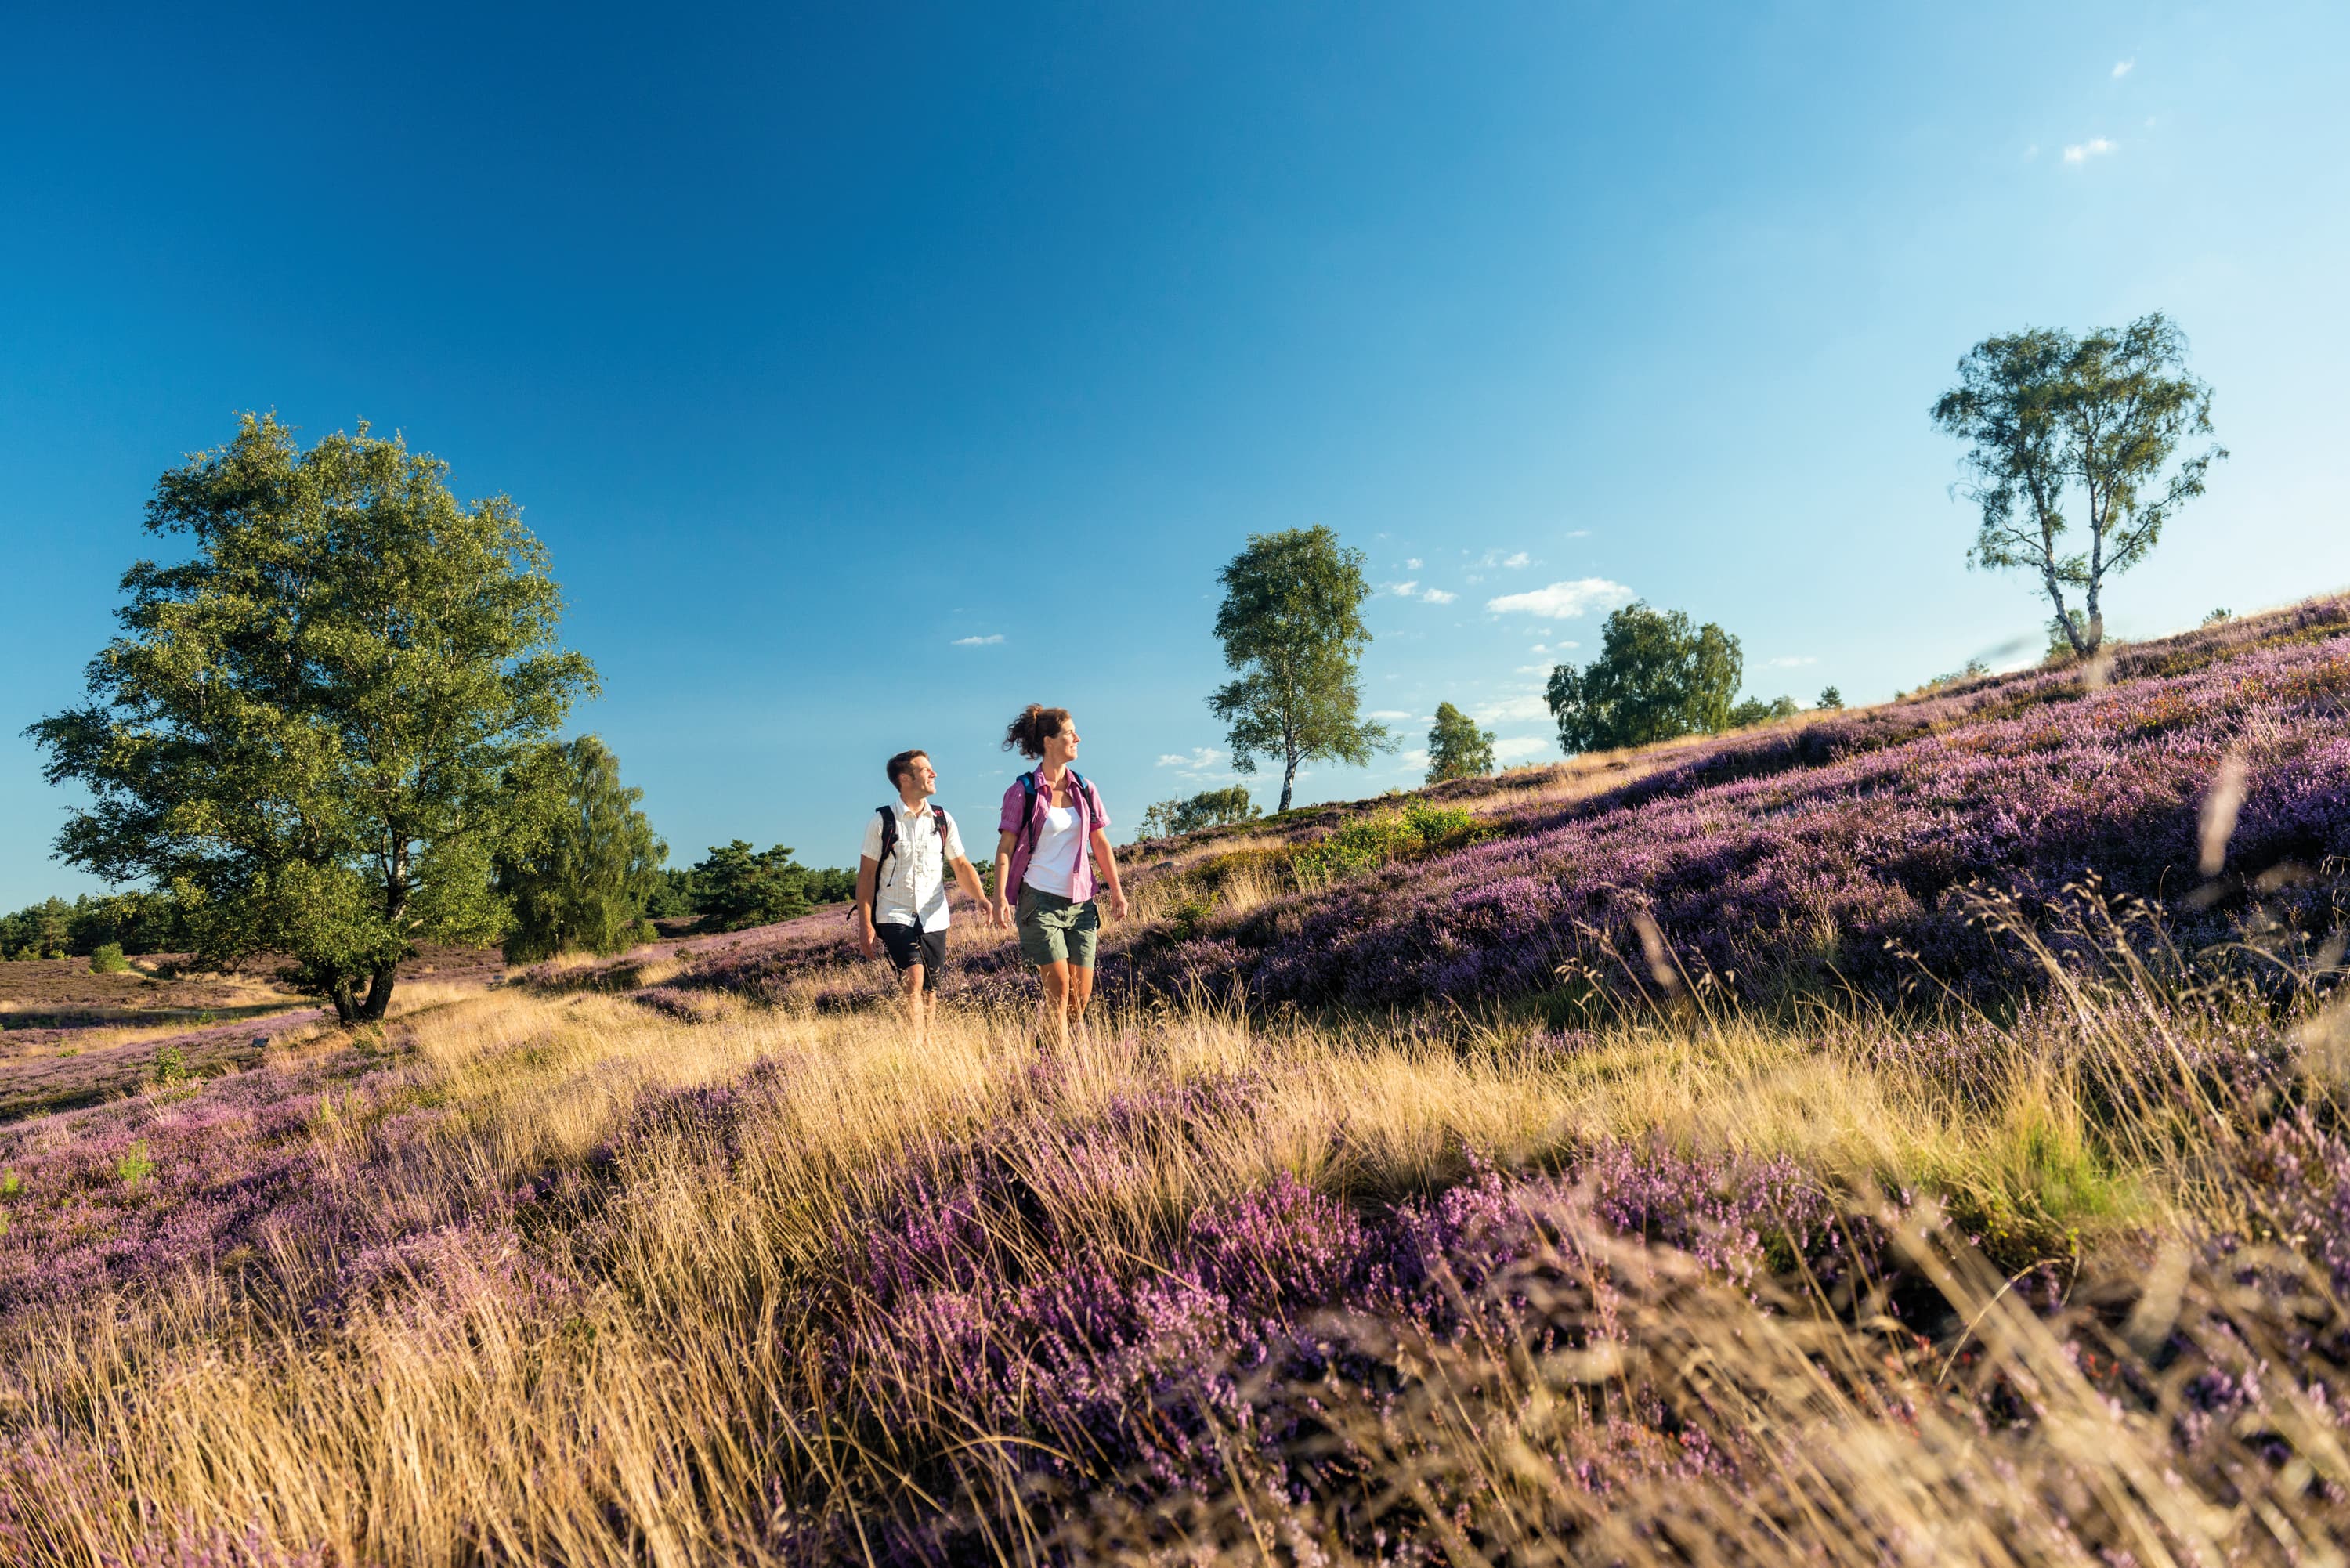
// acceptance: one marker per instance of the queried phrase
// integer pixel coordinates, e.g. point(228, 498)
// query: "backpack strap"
point(1083, 806)
point(888, 848)
point(939, 822)
point(1027, 839)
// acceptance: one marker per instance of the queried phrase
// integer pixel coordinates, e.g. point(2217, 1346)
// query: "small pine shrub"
point(171, 1066)
point(106, 959)
point(1189, 916)
point(134, 1166)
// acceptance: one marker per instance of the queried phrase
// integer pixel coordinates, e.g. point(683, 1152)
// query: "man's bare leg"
point(916, 1012)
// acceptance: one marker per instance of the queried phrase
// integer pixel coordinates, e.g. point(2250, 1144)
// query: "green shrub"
point(133, 1167)
point(171, 1065)
point(106, 959)
point(1370, 842)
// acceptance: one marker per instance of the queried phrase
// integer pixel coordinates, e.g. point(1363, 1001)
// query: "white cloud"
point(1516, 559)
point(1200, 758)
point(1560, 601)
point(2122, 69)
point(1404, 590)
point(1439, 597)
point(1792, 661)
point(1579, 534)
point(1539, 648)
point(1389, 713)
point(1533, 670)
point(1414, 760)
point(1510, 748)
point(978, 641)
point(2096, 147)
point(1519, 708)
point(1413, 564)
point(2032, 152)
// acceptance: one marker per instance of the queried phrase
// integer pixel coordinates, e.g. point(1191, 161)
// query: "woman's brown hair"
point(1036, 725)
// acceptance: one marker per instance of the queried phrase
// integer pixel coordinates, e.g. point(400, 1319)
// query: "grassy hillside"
point(1559, 1168)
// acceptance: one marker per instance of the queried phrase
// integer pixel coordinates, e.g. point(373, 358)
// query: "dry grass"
point(474, 1421)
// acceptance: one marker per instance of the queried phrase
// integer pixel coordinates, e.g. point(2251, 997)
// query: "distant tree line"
point(53, 929)
point(1209, 808)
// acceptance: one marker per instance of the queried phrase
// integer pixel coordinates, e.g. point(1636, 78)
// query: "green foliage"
point(2048, 416)
point(106, 959)
point(1457, 748)
point(1370, 842)
point(136, 923)
point(1830, 698)
point(1209, 808)
point(1754, 711)
point(675, 891)
point(2219, 617)
point(171, 1065)
point(1292, 626)
point(37, 930)
point(831, 885)
point(583, 881)
point(133, 1166)
point(742, 888)
point(305, 728)
point(1657, 677)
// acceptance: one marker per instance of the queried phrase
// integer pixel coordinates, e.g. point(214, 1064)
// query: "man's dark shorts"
point(911, 945)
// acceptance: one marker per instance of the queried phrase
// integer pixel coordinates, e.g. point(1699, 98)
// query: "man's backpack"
point(1028, 816)
point(890, 842)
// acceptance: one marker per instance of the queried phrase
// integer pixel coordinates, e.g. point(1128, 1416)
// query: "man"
point(901, 894)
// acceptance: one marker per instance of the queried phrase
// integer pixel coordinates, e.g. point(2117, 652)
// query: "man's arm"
point(1005, 842)
point(862, 912)
point(1107, 861)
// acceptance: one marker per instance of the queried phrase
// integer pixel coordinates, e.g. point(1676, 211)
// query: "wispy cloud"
point(1517, 708)
point(978, 641)
point(1413, 564)
point(1389, 713)
point(1438, 597)
point(1561, 601)
point(1512, 561)
point(1511, 748)
point(2096, 147)
point(1403, 590)
point(2122, 68)
point(1578, 533)
point(1412, 590)
point(1197, 757)
point(1789, 661)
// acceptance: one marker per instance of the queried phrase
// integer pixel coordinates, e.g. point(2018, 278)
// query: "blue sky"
point(871, 375)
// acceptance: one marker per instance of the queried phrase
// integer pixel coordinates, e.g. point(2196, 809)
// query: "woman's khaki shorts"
point(1054, 930)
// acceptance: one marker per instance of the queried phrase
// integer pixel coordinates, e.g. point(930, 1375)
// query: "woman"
point(1051, 818)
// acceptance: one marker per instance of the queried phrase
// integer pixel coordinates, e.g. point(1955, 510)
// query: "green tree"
point(741, 886)
point(1754, 711)
point(1830, 698)
point(2048, 416)
point(305, 728)
point(1657, 677)
point(1209, 808)
point(41, 930)
point(583, 880)
point(1457, 748)
point(1292, 626)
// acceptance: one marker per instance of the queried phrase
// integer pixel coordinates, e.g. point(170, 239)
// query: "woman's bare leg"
point(1055, 978)
point(1081, 990)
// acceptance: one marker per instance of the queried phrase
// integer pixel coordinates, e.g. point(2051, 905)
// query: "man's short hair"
point(902, 763)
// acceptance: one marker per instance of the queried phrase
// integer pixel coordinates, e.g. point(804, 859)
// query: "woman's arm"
point(1107, 861)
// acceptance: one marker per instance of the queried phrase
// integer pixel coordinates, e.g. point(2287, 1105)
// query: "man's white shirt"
point(910, 887)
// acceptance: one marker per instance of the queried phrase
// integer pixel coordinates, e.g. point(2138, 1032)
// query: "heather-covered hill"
point(1838, 852)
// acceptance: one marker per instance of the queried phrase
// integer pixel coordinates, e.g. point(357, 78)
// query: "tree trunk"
point(345, 1010)
point(1288, 774)
point(378, 996)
